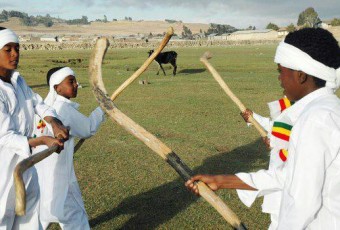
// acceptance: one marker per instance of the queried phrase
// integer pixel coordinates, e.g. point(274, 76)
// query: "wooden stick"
point(20, 192)
point(148, 61)
point(78, 145)
point(227, 90)
point(148, 139)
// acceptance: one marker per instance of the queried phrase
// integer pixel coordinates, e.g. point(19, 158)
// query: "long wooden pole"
point(147, 138)
point(227, 90)
point(148, 61)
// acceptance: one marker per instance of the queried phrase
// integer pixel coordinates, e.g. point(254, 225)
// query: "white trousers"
point(75, 215)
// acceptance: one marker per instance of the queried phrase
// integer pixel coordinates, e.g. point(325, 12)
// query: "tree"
point(308, 18)
point(220, 29)
point(4, 16)
point(272, 26)
point(335, 22)
point(291, 28)
point(186, 32)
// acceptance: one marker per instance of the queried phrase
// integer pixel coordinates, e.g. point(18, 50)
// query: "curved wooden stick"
point(147, 138)
point(148, 61)
point(20, 192)
point(227, 90)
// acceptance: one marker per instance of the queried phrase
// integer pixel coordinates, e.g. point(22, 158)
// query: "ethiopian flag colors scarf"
point(281, 127)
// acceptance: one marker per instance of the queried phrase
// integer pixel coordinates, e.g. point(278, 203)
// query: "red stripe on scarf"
point(282, 155)
point(282, 104)
point(281, 136)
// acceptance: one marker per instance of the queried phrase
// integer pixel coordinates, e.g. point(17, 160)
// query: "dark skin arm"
point(59, 130)
point(216, 182)
point(46, 140)
point(248, 113)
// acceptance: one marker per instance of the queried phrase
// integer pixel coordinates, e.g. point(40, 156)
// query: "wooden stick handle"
point(78, 145)
point(224, 86)
point(148, 61)
point(20, 192)
point(220, 206)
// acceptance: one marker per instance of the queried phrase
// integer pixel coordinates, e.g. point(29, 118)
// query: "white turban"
point(291, 57)
point(55, 79)
point(7, 36)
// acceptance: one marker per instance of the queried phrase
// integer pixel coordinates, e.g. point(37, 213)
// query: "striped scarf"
point(282, 127)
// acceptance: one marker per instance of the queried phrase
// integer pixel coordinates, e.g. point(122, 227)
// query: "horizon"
point(237, 13)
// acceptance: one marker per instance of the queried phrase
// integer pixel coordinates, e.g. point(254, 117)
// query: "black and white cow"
point(168, 57)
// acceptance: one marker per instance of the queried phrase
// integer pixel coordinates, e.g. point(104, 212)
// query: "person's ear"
point(56, 88)
point(302, 77)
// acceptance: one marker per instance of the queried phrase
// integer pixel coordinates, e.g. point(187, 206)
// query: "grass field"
point(124, 184)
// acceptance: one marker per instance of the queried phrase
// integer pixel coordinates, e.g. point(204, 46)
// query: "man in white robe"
point(61, 200)
point(18, 104)
point(309, 66)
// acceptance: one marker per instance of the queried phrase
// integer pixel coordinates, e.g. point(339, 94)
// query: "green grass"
point(124, 184)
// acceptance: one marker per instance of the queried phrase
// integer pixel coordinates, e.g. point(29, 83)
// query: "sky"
point(238, 13)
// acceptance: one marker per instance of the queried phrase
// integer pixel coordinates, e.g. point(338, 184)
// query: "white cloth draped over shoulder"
point(56, 173)
point(18, 104)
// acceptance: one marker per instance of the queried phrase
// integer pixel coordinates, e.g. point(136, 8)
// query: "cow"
point(165, 58)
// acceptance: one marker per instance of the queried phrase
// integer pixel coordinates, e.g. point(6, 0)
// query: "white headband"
point(291, 57)
point(55, 79)
point(7, 36)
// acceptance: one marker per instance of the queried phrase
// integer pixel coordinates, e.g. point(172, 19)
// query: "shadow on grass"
point(38, 86)
point(191, 71)
point(171, 198)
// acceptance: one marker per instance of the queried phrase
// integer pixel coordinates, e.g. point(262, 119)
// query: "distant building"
point(70, 38)
point(49, 38)
point(24, 38)
point(266, 34)
point(222, 36)
point(282, 32)
point(326, 24)
point(198, 36)
point(211, 36)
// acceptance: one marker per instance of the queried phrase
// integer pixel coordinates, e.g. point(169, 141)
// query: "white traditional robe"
point(57, 178)
point(310, 179)
point(18, 104)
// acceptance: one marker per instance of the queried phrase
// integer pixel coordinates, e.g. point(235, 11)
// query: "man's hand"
point(216, 182)
point(50, 141)
point(47, 140)
point(59, 130)
point(246, 114)
point(210, 180)
point(266, 141)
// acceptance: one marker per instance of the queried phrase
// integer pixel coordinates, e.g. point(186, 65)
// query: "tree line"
point(47, 20)
point(307, 18)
